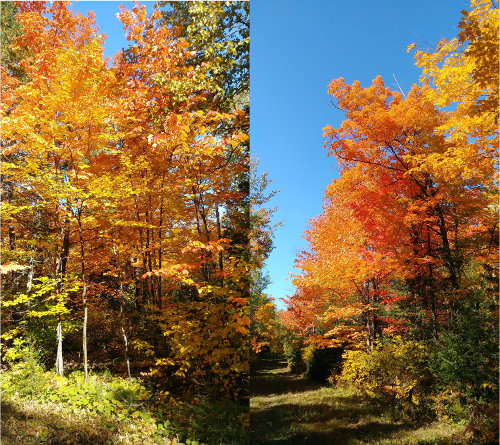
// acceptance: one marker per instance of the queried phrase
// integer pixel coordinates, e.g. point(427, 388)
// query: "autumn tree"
point(138, 182)
point(406, 243)
point(464, 71)
point(178, 159)
point(56, 122)
point(217, 31)
point(125, 193)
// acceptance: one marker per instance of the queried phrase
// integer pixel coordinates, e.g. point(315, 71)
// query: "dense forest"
point(135, 230)
point(397, 293)
point(126, 257)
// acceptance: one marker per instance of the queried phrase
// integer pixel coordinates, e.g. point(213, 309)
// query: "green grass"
point(37, 422)
point(287, 409)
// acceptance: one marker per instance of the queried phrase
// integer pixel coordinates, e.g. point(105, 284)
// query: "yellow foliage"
point(464, 72)
point(396, 370)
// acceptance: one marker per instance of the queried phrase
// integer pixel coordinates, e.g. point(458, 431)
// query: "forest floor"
point(288, 409)
point(39, 408)
point(44, 409)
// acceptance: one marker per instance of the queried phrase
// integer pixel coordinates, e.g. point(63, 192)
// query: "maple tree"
point(406, 245)
point(180, 170)
point(464, 71)
point(385, 146)
point(53, 122)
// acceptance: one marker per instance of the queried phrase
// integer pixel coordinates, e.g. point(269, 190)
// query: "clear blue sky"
point(297, 48)
point(105, 12)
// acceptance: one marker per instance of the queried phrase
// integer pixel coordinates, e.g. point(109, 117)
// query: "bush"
point(466, 355)
point(27, 377)
point(321, 363)
point(397, 370)
point(449, 405)
point(292, 350)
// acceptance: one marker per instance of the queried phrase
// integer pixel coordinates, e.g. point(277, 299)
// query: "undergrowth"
point(39, 407)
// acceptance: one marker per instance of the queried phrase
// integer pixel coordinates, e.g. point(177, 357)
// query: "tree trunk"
point(219, 234)
point(124, 334)
point(84, 335)
point(84, 297)
point(448, 256)
point(62, 272)
point(28, 290)
point(65, 251)
point(432, 294)
point(159, 253)
point(59, 356)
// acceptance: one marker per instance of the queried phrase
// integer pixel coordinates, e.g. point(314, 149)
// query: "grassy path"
point(289, 410)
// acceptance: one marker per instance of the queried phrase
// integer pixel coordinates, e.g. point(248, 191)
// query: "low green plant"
point(123, 405)
point(449, 405)
point(292, 350)
point(215, 422)
point(113, 396)
point(465, 358)
point(27, 378)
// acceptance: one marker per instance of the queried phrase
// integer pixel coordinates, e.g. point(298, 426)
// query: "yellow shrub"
point(396, 370)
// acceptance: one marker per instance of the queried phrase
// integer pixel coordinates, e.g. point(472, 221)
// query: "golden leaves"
point(411, 46)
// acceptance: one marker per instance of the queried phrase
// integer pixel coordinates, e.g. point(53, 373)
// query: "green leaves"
point(216, 32)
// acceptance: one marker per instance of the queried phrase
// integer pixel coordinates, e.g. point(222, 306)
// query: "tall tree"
point(180, 155)
point(416, 201)
point(57, 122)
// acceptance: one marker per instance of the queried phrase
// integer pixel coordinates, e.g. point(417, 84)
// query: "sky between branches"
point(297, 48)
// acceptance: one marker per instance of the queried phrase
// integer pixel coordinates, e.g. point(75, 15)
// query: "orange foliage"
point(414, 203)
point(128, 176)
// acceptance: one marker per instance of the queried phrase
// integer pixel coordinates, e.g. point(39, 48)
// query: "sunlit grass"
point(37, 422)
point(39, 408)
point(289, 410)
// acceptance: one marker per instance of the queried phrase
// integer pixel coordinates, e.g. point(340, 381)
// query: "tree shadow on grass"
point(340, 436)
point(36, 426)
point(336, 423)
point(287, 409)
point(270, 363)
point(291, 410)
point(280, 384)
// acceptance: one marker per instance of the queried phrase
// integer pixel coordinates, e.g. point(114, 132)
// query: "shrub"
point(466, 355)
point(397, 370)
point(27, 378)
point(292, 350)
point(321, 363)
point(448, 405)
point(465, 361)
